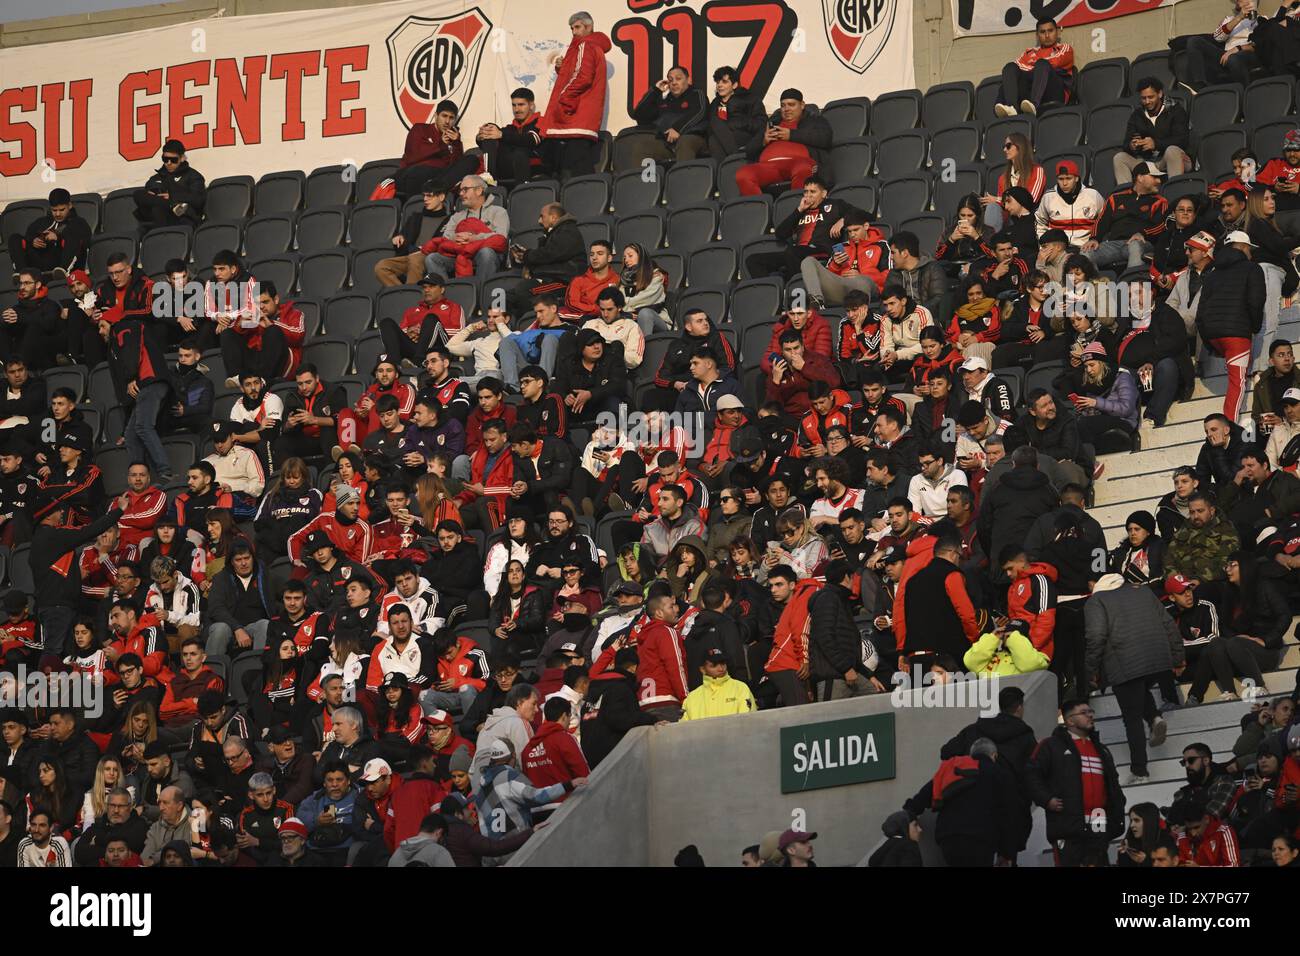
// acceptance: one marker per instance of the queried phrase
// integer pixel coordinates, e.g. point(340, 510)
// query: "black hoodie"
point(611, 711)
point(1232, 298)
point(732, 124)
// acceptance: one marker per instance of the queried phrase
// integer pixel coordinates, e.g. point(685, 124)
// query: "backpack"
point(790, 640)
point(955, 775)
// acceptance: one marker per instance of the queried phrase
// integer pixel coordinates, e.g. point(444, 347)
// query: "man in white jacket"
point(238, 468)
point(615, 325)
point(512, 723)
point(174, 598)
point(928, 490)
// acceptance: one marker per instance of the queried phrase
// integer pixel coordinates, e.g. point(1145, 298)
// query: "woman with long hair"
point(344, 656)
point(288, 504)
point(273, 702)
point(644, 290)
point(518, 611)
point(109, 775)
point(138, 731)
point(1143, 833)
point(1272, 253)
point(87, 655)
point(350, 472)
point(434, 501)
point(686, 569)
point(967, 238)
point(53, 793)
point(977, 324)
point(398, 718)
point(1020, 170)
point(1254, 617)
point(517, 544)
point(221, 537)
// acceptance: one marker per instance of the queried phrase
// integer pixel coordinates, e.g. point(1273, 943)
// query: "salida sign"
point(836, 753)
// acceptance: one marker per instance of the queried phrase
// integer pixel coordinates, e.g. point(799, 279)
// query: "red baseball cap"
point(1067, 167)
point(1176, 584)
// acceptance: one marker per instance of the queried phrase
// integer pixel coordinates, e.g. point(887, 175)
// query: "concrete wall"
point(940, 57)
point(943, 58)
point(716, 784)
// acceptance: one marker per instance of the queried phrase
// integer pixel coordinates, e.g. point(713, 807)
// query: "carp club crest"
point(435, 58)
point(858, 30)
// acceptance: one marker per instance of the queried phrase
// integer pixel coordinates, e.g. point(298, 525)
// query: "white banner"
point(982, 17)
point(250, 95)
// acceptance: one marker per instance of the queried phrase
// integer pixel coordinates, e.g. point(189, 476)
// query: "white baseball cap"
point(1291, 395)
point(1238, 236)
point(375, 769)
point(974, 363)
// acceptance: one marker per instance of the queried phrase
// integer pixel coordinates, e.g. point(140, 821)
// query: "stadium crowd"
point(401, 626)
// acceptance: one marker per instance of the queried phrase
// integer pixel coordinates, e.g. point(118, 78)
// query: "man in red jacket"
point(485, 496)
point(812, 327)
point(180, 699)
point(553, 755)
point(1032, 596)
point(1042, 74)
point(795, 371)
point(577, 106)
point(861, 263)
point(433, 150)
point(1206, 840)
point(145, 503)
point(431, 321)
point(358, 421)
point(580, 300)
point(661, 671)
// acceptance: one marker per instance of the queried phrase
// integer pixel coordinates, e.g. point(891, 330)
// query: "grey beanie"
point(460, 760)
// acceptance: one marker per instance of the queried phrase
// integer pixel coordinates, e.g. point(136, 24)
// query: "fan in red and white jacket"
point(351, 537)
point(1216, 846)
point(143, 509)
point(99, 568)
point(414, 659)
point(661, 672)
point(423, 605)
point(1075, 214)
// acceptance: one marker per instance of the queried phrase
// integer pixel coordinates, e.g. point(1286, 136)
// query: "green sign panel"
point(836, 753)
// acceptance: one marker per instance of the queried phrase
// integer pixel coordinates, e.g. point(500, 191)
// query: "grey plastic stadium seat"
point(1059, 129)
point(347, 315)
point(960, 142)
point(90, 207)
point(74, 377)
point(373, 223)
point(744, 218)
point(1188, 184)
point(633, 194)
point(18, 216)
point(1102, 81)
point(269, 235)
point(212, 237)
point(1215, 149)
point(927, 227)
point(1216, 107)
point(753, 340)
point(852, 159)
point(948, 104)
point(527, 199)
point(119, 213)
point(863, 195)
point(895, 112)
point(691, 227)
point(727, 187)
point(646, 228)
point(279, 192)
point(369, 347)
point(372, 174)
point(392, 301)
point(324, 273)
point(1107, 123)
point(905, 197)
point(986, 98)
point(1269, 98)
point(1266, 139)
point(330, 186)
point(690, 182)
point(586, 196)
point(229, 198)
point(712, 265)
point(322, 229)
point(849, 118)
point(331, 356)
point(903, 153)
point(159, 245)
point(713, 300)
point(785, 204)
point(967, 178)
point(282, 270)
point(598, 227)
point(766, 244)
point(363, 267)
point(464, 292)
point(1154, 64)
point(101, 247)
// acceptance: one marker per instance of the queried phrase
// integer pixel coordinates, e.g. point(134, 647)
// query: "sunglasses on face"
point(728, 498)
point(1007, 145)
point(171, 159)
point(1189, 761)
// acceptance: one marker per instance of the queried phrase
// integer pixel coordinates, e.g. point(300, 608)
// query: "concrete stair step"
point(1275, 682)
point(1160, 792)
point(1220, 740)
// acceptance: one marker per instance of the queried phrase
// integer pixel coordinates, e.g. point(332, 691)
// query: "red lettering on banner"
point(149, 116)
point(641, 6)
point(242, 101)
point(292, 67)
point(338, 92)
point(180, 107)
point(52, 99)
point(24, 134)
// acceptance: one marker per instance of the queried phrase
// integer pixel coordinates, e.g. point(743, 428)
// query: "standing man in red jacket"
point(661, 671)
point(572, 123)
point(553, 755)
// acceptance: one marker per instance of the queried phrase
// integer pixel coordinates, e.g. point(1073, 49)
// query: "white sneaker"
point(1227, 697)
point(1002, 109)
point(1159, 731)
point(1133, 780)
point(1027, 106)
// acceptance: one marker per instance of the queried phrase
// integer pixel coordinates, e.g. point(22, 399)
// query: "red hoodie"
point(577, 105)
point(409, 804)
point(661, 674)
point(816, 335)
point(1217, 846)
point(553, 756)
point(144, 641)
point(1032, 599)
point(583, 289)
point(869, 257)
point(143, 509)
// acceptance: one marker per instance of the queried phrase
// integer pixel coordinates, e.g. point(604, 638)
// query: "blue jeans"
point(141, 433)
point(453, 702)
point(512, 357)
point(56, 624)
point(1114, 252)
point(486, 262)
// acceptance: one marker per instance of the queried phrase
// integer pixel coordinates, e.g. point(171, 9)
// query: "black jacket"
point(612, 710)
point(986, 810)
point(137, 352)
point(183, 184)
point(54, 561)
point(676, 365)
point(745, 116)
point(709, 630)
point(813, 131)
point(553, 471)
point(1008, 511)
point(422, 221)
point(1015, 323)
point(822, 218)
point(1060, 440)
point(1232, 298)
point(31, 402)
point(834, 643)
point(69, 252)
point(40, 314)
point(78, 755)
point(686, 113)
point(607, 379)
point(455, 573)
point(561, 255)
point(1165, 337)
point(194, 391)
point(1216, 467)
point(1169, 129)
point(1054, 772)
point(90, 848)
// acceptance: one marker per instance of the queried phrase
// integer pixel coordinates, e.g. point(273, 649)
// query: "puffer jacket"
point(560, 255)
point(1129, 635)
point(1116, 395)
point(1232, 298)
point(578, 97)
point(813, 132)
point(835, 645)
point(1055, 771)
